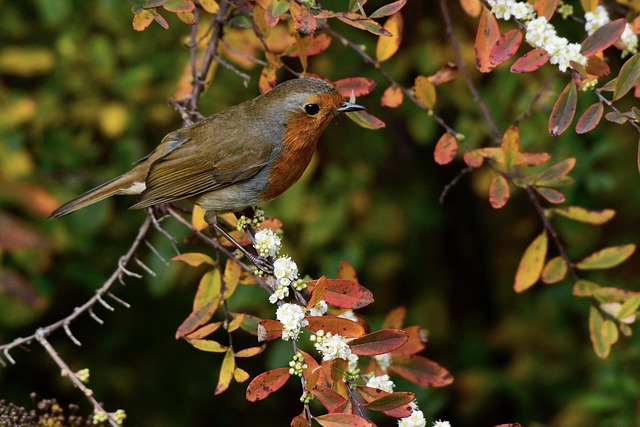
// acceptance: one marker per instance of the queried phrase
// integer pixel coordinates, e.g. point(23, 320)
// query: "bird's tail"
point(124, 184)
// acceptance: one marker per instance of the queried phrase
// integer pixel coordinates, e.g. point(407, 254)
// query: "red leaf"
point(378, 342)
point(395, 318)
point(498, 191)
point(266, 383)
point(553, 196)
point(344, 293)
point(358, 21)
point(391, 401)
point(313, 373)
point(421, 371)
point(318, 292)
point(444, 74)
point(392, 97)
point(329, 398)
point(415, 344)
point(336, 325)
point(358, 85)
point(590, 118)
point(486, 38)
point(473, 158)
point(563, 110)
point(311, 45)
point(346, 272)
point(303, 19)
point(597, 67)
point(370, 394)
point(269, 330)
point(603, 37)
point(343, 420)
point(531, 61)
point(446, 149)
point(506, 46)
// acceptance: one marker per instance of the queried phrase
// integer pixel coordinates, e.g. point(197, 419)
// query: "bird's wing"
point(188, 168)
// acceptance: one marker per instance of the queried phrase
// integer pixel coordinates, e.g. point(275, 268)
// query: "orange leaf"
point(378, 342)
point(590, 118)
point(415, 344)
point(388, 46)
point(250, 352)
point(194, 259)
point(267, 79)
point(422, 371)
point(208, 345)
point(303, 19)
point(269, 330)
point(392, 97)
point(226, 372)
point(362, 22)
point(329, 398)
point(231, 278)
point(545, 8)
point(486, 38)
point(446, 149)
point(336, 325)
point(471, 7)
point(425, 92)
point(313, 374)
point(391, 401)
point(506, 46)
point(266, 383)
point(531, 263)
point(395, 318)
point(204, 331)
point(473, 158)
point(551, 195)
point(498, 191)
point(563, 110)
point(318, 292)
point(346, 272)
point(300, 420)
point(142, 20)
point(370, 394)
point(344, 293)
point(531, 61)
point(343, 420)
point(311, 45)
point(357, 85)
point(444, 74)
point(555, 175)
point(603, 37)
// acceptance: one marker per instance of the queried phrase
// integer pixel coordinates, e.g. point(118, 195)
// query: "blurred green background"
point(83, 95)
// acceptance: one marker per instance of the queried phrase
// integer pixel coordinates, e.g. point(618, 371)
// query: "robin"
point(238, 158)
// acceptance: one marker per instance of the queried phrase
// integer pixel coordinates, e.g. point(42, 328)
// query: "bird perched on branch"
point(238, 158)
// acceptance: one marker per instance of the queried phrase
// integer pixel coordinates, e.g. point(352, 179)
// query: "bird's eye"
point(312, 109)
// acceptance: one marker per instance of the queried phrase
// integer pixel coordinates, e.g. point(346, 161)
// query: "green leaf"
point(600, 344)
point(587, 216)
point(388, 9)
point(554, 271)
point(629, 307)
point(584, 288)
point(607, 258)
point(366, 120)
point(628, 77)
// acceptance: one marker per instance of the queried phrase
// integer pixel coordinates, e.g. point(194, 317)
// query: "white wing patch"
point(136, 188)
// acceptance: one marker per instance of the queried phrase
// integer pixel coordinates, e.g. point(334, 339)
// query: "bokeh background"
point(83, 95)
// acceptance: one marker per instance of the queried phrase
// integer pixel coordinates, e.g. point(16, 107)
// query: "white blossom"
point(331, 346)
point(353, 362)
point(292, 318)
point(416, 419)
point(285, 270)
point(630, 40)
point(506, 9)
point(596, 19)
point(319, 309)
point(381, 382)
point(280, 293)
point(441, 424)
point(383, 360)
point(267, 243)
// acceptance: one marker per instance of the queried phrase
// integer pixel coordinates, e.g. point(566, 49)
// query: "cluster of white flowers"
point(286, 272)
point(383, 360)
point(381, 382)
point(319, 309)
point(352, 366)
point(331, 346)
point(441, 424)
point(600, 17)
point(292, 318)
point(267, 243)
point(539, 33)
point(416, 419)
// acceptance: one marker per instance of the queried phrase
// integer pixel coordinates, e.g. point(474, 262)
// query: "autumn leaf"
point(370, 395)
point(486, 38)
point(446, 149)
point(551, 195)
point(390, 401)
point(545, 8)
point(303, 20)
point(392, 97)
point(596, 322)
point(425, 91)
point(563, 110)
point(531, 264)
point(607, 258)
point(355, 85)
point(389, 9)
point(445, 74)
point(422, 371)
point(366, 120)
point(346, 272)
point(603, 37)
point(344, 293)
point(361, 22)
point(587, 216)
point(628, 77)
point(266, 383)
point(510, 147)
point(336, 325)
point(194, 259)
point(471, 7)
point(329, 398)
point(388, 46)
point(554, 270)
point(415, 344)
point(378, 342)
point(498, 191)
point(226, 372)
point(530, 61)
point(269, 330)
point(208, 345)
point(506, 46)
point(342, 420)
point(395, 318)
point(590, 118)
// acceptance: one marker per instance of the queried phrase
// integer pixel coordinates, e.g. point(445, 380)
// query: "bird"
point(235, 159)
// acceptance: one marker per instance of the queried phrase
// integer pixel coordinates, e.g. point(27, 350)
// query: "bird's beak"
point(350, 106)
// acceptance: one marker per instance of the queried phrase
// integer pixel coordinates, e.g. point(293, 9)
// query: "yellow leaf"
point(231, 278)
point(609, 332)
point(208, 345)
point(26, 61)
point(471, 7)
point(511, 146)
point(607, 257)
point(113, 119)
point(210, 6)
point(240, 375)
point(226, 372)
point(600, 346)
point(584, 288)
point(208, 291)
point(425, 92)
point(531, 263)
point(197, 218)
point(584, 215)
point(388, 46)
point(194, 259)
